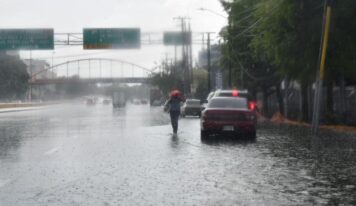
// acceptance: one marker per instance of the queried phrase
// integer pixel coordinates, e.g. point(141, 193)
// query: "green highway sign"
point(26, 39)
point(177, 38)
point(111, 38)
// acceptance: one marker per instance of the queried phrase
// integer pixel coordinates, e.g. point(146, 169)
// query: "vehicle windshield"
point(235, 103)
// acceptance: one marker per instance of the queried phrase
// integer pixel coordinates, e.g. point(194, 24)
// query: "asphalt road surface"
point(97, 155)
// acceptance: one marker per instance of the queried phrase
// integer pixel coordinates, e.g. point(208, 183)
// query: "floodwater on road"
point(97, 155)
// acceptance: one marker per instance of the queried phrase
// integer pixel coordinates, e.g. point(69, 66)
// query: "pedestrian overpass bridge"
point(92, 71)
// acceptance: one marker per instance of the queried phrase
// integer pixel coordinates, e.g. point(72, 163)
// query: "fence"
point(344, 108)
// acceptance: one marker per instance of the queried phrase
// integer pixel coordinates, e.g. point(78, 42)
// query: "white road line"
point(4, 182)
point(51, 151)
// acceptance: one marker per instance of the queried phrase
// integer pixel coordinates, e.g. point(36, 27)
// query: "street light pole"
point(230, 53)
point(213, 12)
point(52, 65)
point(30, 92)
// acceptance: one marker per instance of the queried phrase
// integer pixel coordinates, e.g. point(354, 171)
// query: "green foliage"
point(342, 50)
point(248, 69)
point(281, 39)
point(13, 77)
point(200, 77)
point(290, 36)
point(166, 82)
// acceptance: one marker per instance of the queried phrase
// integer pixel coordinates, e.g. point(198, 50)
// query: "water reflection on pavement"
point(80, 155)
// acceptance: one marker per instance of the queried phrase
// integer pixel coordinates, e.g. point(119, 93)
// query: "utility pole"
point(185, 53)
point(209, 63)
point(191, 59)
point(30, 92)
point(230, 53)
point(322, 60)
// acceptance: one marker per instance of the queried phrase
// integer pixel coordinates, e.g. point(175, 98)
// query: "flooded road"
point(95, 155)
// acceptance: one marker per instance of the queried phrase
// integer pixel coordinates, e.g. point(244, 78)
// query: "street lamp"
point(53, 64)
point(213, 12)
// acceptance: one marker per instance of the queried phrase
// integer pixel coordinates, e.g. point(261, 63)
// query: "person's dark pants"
point(174, 120)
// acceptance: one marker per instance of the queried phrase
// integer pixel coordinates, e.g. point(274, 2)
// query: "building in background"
point(216, 73)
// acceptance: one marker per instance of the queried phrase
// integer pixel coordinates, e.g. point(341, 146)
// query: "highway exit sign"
point(26, 39)
point(111, 38)
point(177, 38)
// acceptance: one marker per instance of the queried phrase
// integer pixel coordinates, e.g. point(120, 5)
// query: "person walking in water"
point(173, 107)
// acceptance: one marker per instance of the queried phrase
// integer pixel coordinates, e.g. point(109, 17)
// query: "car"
point(157, 102)
point(191, 107)
point(144, 101)
point(238, 93)
point(106, 101)
point(228, 115)
point(205, 102)
point(118, 99)
point(90, 101)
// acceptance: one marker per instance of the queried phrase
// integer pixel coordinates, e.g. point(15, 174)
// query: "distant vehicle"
point(118, 99)
point(106, 101)
point(136, 101)
point(90, 101)
point(191, 107)
point(156, 97)
point(205, 102)
point(228, 115)
point(157, 103)
point(210, 95)
point(143, 101)
point(237, 93)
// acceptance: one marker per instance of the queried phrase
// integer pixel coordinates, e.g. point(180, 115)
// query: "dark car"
point(205, 102)
point(237, 93)
point(107, 101)
point(228, 115)
point(90, 101)
point(191, 107)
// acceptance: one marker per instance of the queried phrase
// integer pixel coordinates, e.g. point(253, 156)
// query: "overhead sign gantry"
point(111, 38)
point(177, 38)
point(90, 38)
point(26, 39)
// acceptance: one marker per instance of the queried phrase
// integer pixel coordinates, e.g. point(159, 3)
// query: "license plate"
point(228, 128)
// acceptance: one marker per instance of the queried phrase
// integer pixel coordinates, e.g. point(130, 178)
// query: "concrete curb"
point(19, 109)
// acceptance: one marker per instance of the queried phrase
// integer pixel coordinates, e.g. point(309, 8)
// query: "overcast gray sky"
point(74, 15)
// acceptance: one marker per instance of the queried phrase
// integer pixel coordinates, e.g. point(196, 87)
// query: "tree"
point(250, 70)
point(13, 77)
point(200, 77)
point(289, 36)
point(281, 39)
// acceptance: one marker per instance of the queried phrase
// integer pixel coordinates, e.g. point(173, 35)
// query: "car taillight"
point(252, 106)
point(235, 93)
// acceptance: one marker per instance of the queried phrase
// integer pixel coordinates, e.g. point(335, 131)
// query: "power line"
point(259, 20)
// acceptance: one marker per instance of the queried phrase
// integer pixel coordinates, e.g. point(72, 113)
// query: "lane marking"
point(52, 151)
point(4, 182)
